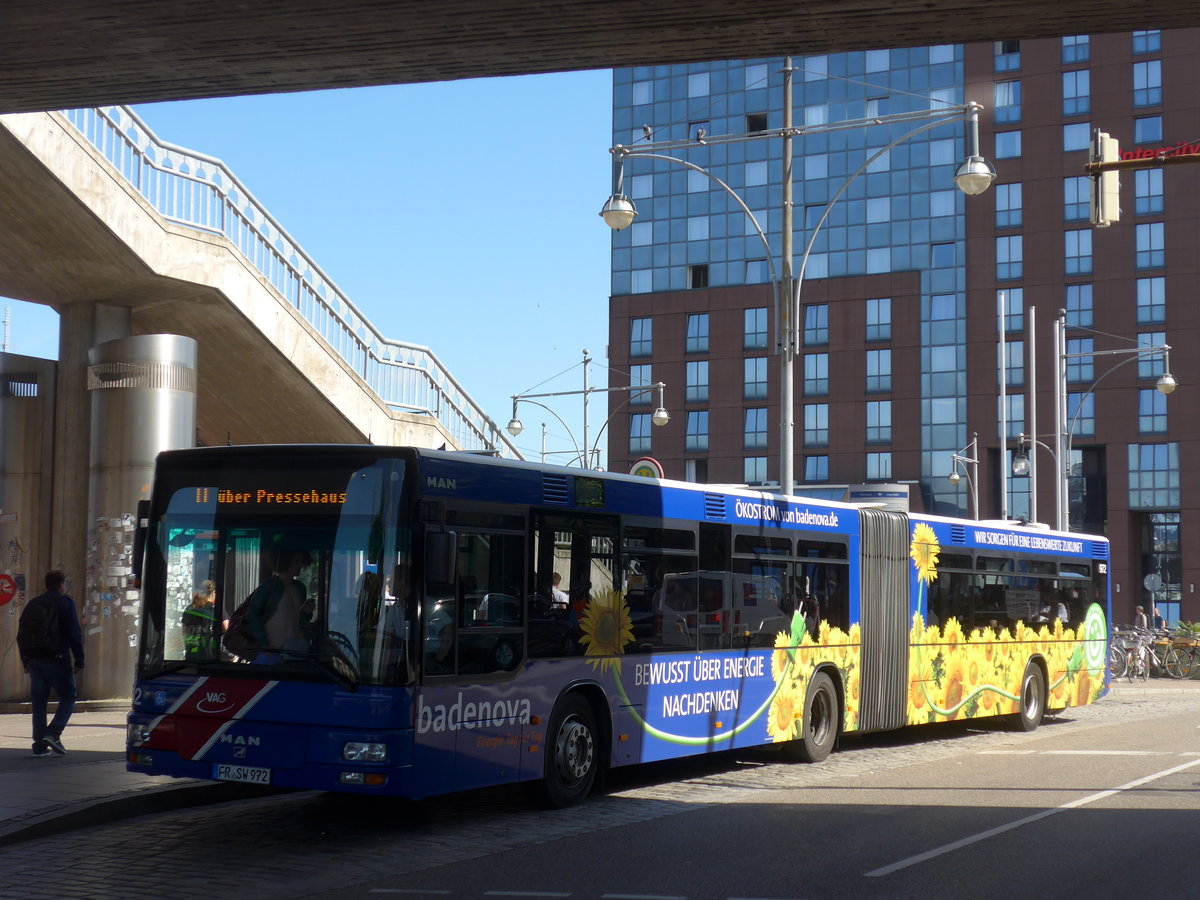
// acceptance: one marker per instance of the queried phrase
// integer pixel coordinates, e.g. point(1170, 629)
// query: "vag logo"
point(214, 702)
point(445, 484)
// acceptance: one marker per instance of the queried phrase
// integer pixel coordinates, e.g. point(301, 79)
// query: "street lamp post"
point(586, 453)
point(1063, 431)
point(960, 459)
point(974, 176)
point(1025, 464)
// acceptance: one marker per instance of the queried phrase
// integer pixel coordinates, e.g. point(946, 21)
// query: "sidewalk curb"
point(25, 708)
point(103, 810)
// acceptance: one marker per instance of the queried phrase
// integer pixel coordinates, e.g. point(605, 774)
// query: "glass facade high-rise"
point(909, 282)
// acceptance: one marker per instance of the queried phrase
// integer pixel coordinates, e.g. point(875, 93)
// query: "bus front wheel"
point(572, 753)
point(1033, 697)
point(819, 728)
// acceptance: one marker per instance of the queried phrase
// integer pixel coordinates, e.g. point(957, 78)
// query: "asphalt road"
point(1103, 801)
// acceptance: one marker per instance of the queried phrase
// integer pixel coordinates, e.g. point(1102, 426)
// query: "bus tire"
point(1033, 697)
point(572, 753)
point(819, 727)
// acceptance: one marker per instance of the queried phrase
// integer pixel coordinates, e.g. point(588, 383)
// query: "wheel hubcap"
point(574, 750)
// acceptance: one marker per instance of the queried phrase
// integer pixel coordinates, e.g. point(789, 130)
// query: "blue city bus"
point(385, 620)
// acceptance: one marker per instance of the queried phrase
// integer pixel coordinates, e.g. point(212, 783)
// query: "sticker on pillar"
point(8, 589)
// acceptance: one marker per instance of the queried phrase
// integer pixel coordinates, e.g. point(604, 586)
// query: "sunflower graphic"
point(924, 552)
point(605, 628)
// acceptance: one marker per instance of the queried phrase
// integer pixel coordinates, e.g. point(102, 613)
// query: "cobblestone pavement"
point(307, 844)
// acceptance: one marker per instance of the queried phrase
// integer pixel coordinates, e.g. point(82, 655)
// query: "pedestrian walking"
point(47, 636)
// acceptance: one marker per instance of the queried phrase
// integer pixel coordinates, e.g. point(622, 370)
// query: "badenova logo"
point(437, 717)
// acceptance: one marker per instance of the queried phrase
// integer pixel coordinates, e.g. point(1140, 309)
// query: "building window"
point(879, 421)
point(1147, 41)
point(1153, 365)
point(697, 333)
point(697, 381)
point(757, 271)
point(1075, 49)
point(1081, 415)
point(1148, 191)
point(816, 424)
point(640, 375)
point(1150, 247)
point(1077, 198)
point(1079, 363)
point(755, 384)
point(1151, 300)
point(643, 93)
point(698, 275)
point(876, 106)
point(1012, 301)
point(1154, 476)
point(1009, 257)
point(942, 203)
point(754, 470)
point(698, 84)
point(755, 435)
point(641, 234)
point(756, 122)
point(1076, 88)
point(1008, 144)
point(1147, 130)
point(1015, 415)
point(1152, 411)
point(1008, 205)
point(879, 466)
point(816, 325)
point(879, 319)
point(1076, 136)
point(941, 256)
point(816, 468)
point(1147, 83)
point(879, 370)
point(1008, 56)
point(1077, 252)
point(1008, 102)
point(1078, 304)
point(1014, 363)
point(640, 343)
point(641, 281)
point(639, 433)
point(697, 228)
point(756, 76)
point(756, 173)
point(756, 328)
point(697, 431)
point(816, 374)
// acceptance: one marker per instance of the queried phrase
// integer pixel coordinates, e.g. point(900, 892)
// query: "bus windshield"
point(301, 571)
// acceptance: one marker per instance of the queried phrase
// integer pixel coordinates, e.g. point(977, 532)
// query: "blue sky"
point(462, 216)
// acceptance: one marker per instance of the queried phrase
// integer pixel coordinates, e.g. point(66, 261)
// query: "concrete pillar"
point(81, 325)
point(26, 445)
point(143, 401)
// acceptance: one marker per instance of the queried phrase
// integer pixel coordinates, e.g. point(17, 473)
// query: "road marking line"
point(1108, 753)
point(406, 891)
point(526, 894)
point(642, 897)
point(1028, 820)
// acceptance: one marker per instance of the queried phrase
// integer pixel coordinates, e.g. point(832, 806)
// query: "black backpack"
point(38, 634)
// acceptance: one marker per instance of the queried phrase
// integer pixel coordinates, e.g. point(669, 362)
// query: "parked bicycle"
point(1181, 659)
point(1133, 654)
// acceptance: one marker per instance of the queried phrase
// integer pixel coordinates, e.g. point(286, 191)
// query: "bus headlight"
point(363, 751)
point(137, 733)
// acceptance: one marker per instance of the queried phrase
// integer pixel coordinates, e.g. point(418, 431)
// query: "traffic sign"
point(8, 589)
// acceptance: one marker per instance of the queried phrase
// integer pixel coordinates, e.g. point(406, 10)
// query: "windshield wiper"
point(335, 667)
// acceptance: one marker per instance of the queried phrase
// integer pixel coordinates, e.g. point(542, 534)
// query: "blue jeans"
point(44, 674)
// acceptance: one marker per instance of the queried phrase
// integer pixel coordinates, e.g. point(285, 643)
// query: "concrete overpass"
point(124, 236)
point(96, 52)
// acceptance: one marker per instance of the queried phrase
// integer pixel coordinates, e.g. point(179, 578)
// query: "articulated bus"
point(402, 634)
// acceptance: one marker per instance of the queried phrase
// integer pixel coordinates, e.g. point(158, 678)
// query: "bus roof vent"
point(958, 534)
point(555, 488)
point(1099, 550)
point(714, 506)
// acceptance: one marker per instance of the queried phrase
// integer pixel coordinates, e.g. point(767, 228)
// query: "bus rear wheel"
point(1033, 698)
point(572, 753)
point(819, 728)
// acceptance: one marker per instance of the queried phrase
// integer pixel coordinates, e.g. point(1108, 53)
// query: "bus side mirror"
point(441, 556)
point(141, 526)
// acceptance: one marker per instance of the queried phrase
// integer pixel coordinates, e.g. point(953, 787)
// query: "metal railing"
point(200, 192)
